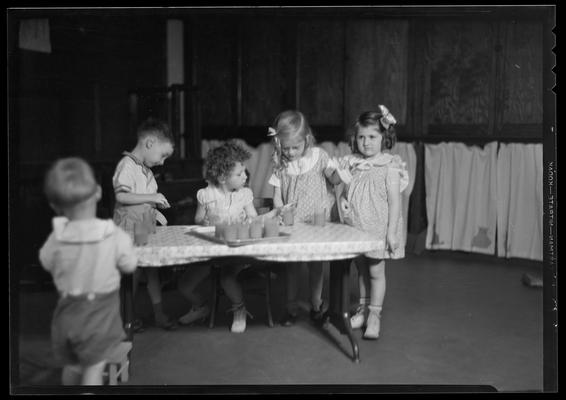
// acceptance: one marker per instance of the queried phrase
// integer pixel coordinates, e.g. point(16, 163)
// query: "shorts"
point(85, 331)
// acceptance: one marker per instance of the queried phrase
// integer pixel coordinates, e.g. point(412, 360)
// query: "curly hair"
point(69, 181)
point(221, 160)
point(373, 118)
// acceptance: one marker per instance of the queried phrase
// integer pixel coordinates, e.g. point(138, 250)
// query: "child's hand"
point(161, 201)
point(392, 242)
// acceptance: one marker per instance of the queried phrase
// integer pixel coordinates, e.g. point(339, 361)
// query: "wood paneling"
point(216, 44)
point(376, 67)
point(321, 71)
point(522, 72)
point(264, 84)
point(460, 56)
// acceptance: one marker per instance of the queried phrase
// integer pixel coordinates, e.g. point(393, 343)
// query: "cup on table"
point(271, 227)
point(231, 232)
point(319, 217)
point(140, 233)
point(150, 221)
point(243, 230)
point(288, 216)
point(256, 228)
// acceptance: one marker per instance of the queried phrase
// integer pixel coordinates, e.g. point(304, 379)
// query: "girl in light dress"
point(371, 201)
point(300, 178)
point(225, 197)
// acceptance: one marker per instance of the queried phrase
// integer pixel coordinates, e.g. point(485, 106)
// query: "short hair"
point(373, 118)
point(157, 128)
point(221, 160)
point(69, 181)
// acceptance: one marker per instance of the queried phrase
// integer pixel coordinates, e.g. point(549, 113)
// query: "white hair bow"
point(271, 131)
point(387, 119)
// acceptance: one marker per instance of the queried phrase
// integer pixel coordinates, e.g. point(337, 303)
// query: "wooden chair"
point(262, 206)
point(117, 368)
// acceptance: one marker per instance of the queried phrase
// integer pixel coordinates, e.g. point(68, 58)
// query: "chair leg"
point(125, 375)
point(112, 374)
point(214, 300)
point(268, 297)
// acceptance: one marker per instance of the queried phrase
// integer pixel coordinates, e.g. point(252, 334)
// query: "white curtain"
point(461, 190)
point(519, 201)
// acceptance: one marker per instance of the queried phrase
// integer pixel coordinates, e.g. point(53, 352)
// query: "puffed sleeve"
point(123, 179)
point(202, 196)
point(247, 196)
point(397, 173)
point(127, 261)
point(274, 180)
point(47, 253)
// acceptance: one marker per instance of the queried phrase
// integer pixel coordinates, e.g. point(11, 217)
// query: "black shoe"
point(168, 324)
point(318, 316)
point(289, 319)
point(137, 326)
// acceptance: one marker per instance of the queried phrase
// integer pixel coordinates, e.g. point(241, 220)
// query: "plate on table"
point(207, 232)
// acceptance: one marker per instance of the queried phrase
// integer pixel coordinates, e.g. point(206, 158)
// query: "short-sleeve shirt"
point(132, 176)
point(216, 202)
point(86, 256)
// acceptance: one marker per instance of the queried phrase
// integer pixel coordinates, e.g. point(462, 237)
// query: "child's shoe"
point(194, 314)
point(373, 323)
point(165, 322)
point(359, 318)
point(137, 326)
point(240, 315)
point(289, 319)
point(317, 316)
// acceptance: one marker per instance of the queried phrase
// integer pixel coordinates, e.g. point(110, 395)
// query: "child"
point(300, 178)
point(224, 197)
point(136, 195)
point(371, 202)
point(84, 255)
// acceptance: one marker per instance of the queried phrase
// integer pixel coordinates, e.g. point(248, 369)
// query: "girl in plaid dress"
point(371, 201)
point(300, 178)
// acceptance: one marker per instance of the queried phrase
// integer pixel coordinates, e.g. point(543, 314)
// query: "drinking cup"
point(140, 233)
point(271, 227)
point(256, 229)
point(319, 217)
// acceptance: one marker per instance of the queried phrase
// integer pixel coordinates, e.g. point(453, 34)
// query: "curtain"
point(461, 190)
point(519, 201)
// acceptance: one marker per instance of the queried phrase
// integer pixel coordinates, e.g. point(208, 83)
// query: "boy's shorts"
point(84, 331)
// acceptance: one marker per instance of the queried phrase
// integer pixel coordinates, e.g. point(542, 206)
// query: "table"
point(338, 243)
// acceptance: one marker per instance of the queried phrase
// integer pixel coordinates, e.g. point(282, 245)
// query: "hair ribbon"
point(387, 119)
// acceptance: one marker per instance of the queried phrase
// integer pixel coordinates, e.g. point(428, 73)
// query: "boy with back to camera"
point(136, 196)
point(85, 256)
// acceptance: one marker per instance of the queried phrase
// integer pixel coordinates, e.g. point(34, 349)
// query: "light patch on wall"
point(34, 35)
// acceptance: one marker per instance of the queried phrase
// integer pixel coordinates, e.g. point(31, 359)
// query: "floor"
point(449, 318)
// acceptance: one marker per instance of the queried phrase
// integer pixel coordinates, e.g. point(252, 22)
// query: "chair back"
point(263, 204)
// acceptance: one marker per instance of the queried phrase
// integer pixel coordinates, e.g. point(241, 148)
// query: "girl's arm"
point(334, 178)
point(250, 210)
point(394, 200)
point(200, 214)
point(277, 198)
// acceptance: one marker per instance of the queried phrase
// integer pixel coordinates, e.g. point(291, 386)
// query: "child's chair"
point(117, 368)
point(262, 206)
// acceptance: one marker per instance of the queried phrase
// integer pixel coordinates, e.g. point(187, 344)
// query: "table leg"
point(127, 294)
point(339, 302)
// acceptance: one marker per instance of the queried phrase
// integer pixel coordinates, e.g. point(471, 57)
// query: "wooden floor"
point(449, 319)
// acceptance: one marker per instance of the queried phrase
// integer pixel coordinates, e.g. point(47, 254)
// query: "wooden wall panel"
point(216, 45)
point(460, 56)
point(376, 67)
point(321, 71)
point(264, 83)
point(522, 72)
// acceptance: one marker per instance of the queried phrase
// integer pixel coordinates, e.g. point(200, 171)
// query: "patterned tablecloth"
point(173, 245)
